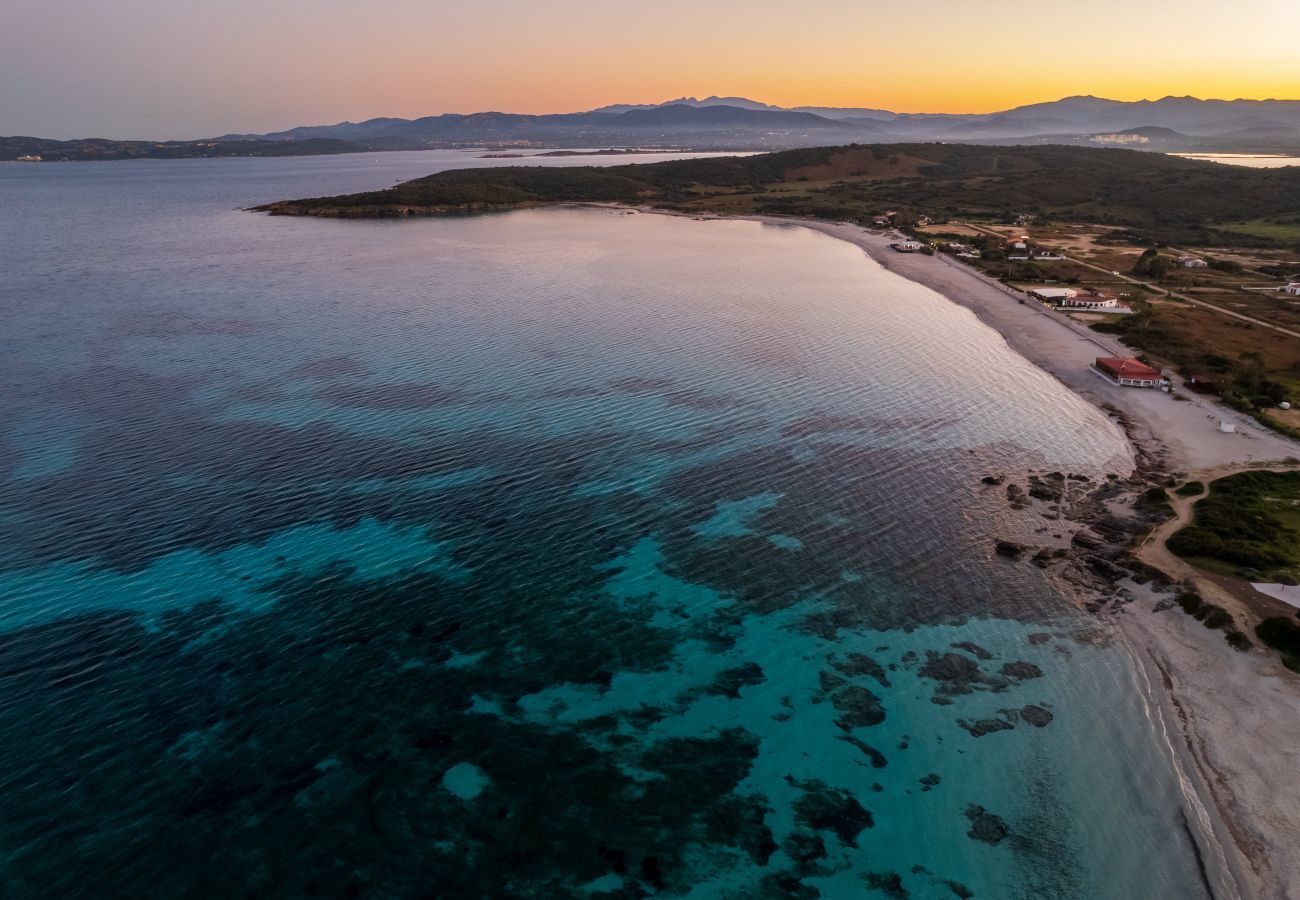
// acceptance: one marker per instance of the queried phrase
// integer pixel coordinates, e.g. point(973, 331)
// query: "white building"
point(907, 246)
point(1192, 262)
point(1090, 301)
point(1054, 294)
point(1293, 289)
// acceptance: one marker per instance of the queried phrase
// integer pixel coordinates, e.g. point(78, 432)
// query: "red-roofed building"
point(1129, 372)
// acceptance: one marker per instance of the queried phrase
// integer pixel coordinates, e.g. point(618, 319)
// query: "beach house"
point(1091, 301)
point(907, 246)
point(1054, 294)
point(1128, 372)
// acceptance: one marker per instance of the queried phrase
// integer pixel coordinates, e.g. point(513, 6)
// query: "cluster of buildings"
point(965, 251)
point(1020, 248)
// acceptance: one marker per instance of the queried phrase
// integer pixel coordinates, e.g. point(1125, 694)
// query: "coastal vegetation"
point(1165, 198)
point(46, 150)
point(1248, 525)
point(1283, 635)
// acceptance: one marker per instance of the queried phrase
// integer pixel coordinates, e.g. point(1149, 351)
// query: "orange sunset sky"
point(187, 68)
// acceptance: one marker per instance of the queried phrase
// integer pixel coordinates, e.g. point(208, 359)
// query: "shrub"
point(1190, 601)
point(1214, 617)
point(1154, 496)
point(1191, 489)
point(1238, 641)
point(1283, 635)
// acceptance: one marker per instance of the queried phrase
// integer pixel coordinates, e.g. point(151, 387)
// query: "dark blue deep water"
point(547, 554)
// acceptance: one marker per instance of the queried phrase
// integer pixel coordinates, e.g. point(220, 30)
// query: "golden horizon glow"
point(183, 68)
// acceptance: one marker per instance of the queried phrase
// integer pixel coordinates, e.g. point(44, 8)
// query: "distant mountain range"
point(737, 123)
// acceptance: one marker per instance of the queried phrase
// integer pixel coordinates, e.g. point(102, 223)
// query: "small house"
point(1192, 262)
point(1293, 289)
point(1128, 372)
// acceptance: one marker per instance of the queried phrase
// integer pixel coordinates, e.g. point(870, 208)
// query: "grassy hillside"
point(1164, 197)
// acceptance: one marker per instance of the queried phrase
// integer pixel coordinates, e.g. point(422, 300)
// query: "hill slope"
point(1163, 195)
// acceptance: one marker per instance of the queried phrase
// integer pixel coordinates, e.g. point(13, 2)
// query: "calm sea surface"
point(1249, 160)
point(545, 554)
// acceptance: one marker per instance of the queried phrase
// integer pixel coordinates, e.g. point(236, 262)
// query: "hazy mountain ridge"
point(1081, 116)
point(735, 123)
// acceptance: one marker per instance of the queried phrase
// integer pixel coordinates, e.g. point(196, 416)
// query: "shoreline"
point(1230, 720)
point(1206, 699)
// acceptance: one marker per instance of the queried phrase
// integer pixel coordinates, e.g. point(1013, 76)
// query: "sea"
point(568, 552)
point(1249, 160)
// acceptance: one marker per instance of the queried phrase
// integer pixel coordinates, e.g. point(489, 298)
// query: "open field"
point(1282, 231)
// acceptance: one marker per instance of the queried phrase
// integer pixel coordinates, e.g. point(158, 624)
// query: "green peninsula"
point(1165, 197)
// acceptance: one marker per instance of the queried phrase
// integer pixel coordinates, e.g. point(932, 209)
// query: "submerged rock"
point(859, 706)
point(1021, 671)
point(742, 822)
point(981, 727)
point(804, 849)
point(824, 808)
point(788, 885)
point(855, 664)
point(728, 682)
point(1036, 716)
point(930, 781)
point(888, 883)
point(877, 758)
point(950, 667)
point(985, 826)
point(973, 649)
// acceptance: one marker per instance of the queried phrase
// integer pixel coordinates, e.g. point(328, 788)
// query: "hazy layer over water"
point(532, 554)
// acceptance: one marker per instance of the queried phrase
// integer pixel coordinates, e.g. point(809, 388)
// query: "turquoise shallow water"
point(554, 553)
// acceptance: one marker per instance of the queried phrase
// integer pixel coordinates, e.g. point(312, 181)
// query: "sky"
point(164, 69)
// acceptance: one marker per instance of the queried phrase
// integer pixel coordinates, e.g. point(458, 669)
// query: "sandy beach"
point(1232, 719)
